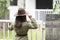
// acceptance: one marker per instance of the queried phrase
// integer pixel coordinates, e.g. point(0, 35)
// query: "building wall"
point(29, 6)
point(13, 10)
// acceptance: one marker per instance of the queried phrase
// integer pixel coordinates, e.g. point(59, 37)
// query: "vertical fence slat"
point(31, 34)
point(13, 35)
point(4, 31)
point(38, 18)
point(8, 32)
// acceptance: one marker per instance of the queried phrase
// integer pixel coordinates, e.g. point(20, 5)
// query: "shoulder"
point(26, 23)
point(33, 20)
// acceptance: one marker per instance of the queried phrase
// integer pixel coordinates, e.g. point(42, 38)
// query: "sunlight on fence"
point(5, 34)
point(37, 34)
point(33, 34)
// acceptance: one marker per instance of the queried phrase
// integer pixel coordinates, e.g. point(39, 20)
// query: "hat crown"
point(21, 12)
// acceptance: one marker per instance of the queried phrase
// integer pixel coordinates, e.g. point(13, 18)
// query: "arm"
point(34, 23)
point(31, 26)
point(11, 27)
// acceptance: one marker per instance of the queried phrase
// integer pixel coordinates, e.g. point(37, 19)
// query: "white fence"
point(4, 34)
point(39, 34)
point(31, 34)
point(40, 14)
point(52, 32)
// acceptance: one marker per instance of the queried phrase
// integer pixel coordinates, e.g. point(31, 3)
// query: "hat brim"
point(20, 14)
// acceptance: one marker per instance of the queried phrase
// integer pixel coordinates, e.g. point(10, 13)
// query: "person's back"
point(21, 26)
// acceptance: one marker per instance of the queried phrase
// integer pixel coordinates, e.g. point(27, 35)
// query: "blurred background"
point(46, 12)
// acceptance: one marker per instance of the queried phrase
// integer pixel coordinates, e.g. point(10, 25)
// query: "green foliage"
point(55, 7)
point(57, 2)
point(3, 7)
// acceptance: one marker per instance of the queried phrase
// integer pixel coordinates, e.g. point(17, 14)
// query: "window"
point(44, 4)
point(13, 3)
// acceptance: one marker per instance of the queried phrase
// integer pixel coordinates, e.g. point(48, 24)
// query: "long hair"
point(19, 20)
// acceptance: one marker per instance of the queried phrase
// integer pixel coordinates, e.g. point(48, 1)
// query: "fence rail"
point(38, 34)
point(35, 34)
point(40, 14)
point(5, 35)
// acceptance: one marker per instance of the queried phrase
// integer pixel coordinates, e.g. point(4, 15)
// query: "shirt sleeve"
point(30, 25)
point(11, 27)
point(34, 23)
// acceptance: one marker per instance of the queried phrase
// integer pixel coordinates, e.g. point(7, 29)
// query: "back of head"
point(20, 17)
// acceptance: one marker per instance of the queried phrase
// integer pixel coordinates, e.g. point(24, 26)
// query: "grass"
point(1, 35)
point(6, 34)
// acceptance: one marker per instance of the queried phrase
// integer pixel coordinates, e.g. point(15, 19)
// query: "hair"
point(19, 20)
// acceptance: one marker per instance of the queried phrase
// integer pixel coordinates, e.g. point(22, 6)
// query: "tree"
point(3, 9)
point(56, 7)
